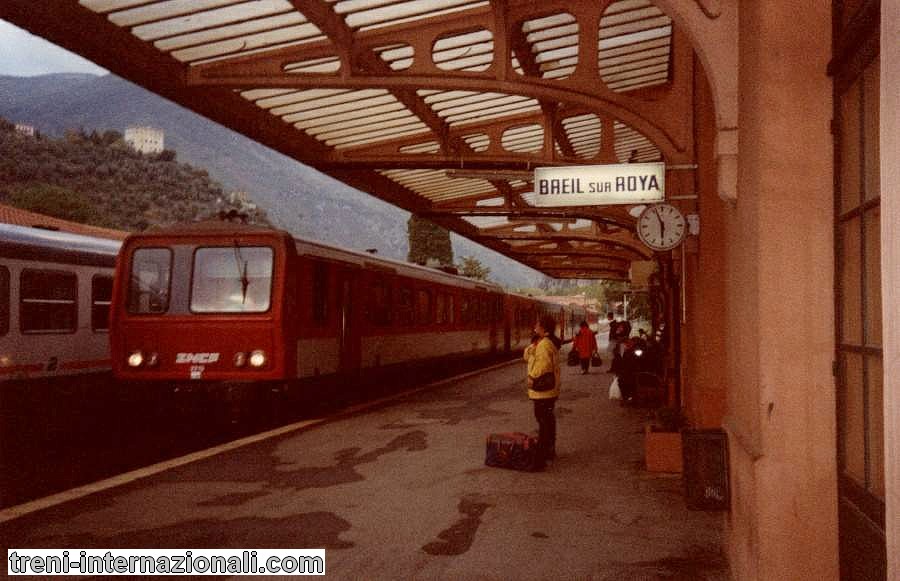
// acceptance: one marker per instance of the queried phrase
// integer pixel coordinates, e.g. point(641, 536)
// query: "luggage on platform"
point(513, 450)
point(615, 392)
point(573, 359)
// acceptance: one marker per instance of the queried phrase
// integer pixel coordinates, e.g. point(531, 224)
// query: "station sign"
point(600, 185)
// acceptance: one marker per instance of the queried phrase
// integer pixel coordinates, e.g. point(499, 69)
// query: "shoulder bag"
point(545, 382)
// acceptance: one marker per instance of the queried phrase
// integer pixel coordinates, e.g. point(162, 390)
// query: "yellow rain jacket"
point(542, 358)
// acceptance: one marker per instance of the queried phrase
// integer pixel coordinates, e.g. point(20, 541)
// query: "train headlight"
point(638, 352)
point(240, 359)
point(136, 359)
point(257, 358)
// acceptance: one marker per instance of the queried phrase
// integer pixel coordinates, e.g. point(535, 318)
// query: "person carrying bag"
point(543, 383)
point(585, 344)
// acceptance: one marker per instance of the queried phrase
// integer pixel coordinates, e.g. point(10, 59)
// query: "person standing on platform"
point(543, 383)
point(623, 333)
point(586, 345)
point(611, 343)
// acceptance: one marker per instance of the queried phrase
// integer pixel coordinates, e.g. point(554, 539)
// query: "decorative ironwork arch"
point(441, 107)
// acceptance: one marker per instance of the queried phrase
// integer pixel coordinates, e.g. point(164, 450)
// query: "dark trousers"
point(585, 364)
point(546, 419)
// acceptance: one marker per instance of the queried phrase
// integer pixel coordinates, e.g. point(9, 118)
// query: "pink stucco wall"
point(776, 257)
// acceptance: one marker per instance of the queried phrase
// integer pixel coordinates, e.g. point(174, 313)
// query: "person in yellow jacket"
point(543, 382)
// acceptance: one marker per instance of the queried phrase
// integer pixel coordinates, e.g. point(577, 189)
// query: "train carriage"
point(55, 292)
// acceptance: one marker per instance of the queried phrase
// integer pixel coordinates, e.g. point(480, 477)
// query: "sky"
point(24, 55)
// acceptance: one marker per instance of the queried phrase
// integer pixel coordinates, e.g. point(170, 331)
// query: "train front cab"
point(204, 306)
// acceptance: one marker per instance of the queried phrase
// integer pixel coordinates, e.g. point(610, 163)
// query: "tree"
point(166, 155)
point(75, 136)
point(471, 267)
point(110, 137)
point(427, 241)
point(639, 306)
point(54, 201)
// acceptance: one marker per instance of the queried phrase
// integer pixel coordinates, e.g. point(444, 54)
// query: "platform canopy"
point(441, 107)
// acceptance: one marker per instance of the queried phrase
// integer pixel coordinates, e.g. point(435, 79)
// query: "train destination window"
point(101, 298)
point(151, 271)
point(232, 279)
point(48, 301)
point(4, 300)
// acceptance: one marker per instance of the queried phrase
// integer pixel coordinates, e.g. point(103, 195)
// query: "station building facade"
point(790, 326)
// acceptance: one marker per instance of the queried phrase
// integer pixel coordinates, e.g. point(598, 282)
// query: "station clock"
point(661, 227)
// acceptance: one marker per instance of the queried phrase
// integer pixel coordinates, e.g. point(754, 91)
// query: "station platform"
point(400, 491)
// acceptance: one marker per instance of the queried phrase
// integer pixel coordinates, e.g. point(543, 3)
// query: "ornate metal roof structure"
point(442, 107)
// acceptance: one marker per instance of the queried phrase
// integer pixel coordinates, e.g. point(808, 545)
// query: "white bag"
point(614, 391)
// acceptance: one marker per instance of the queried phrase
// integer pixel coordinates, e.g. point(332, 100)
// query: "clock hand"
point(662, 225)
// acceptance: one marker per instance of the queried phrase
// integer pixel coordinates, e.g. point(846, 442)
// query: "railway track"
point(58, 439)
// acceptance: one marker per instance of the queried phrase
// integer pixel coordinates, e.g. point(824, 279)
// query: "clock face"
point(661, 227)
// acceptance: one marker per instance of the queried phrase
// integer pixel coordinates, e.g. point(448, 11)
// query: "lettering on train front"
point(196, 358)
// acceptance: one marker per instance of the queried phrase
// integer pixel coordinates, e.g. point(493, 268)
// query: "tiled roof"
point(11, 215)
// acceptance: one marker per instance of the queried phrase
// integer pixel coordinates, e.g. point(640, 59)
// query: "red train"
point(226, 303)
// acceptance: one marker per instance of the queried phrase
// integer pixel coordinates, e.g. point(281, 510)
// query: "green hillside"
point(97, 179)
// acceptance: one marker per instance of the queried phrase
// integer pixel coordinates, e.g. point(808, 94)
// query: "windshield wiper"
point(242, 272)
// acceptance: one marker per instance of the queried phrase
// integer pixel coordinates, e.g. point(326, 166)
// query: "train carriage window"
point(320, 293)
point(380, 303)
point(151, 273)
point(440, 308)
point(4, 300)
point(48, 301)
point(101, 299)
point(232, 279)
point(451, 309)
point(423, 307)
point(405, 306)
point(464, 311)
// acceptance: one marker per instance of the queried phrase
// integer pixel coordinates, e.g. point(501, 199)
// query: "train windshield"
point(151, 273)
point(232, 279)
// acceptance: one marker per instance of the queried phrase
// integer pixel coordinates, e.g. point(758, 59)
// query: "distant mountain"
point(98, 179)
point(295, 197)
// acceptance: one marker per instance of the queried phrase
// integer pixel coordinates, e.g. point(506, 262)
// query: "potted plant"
point(662, 441)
